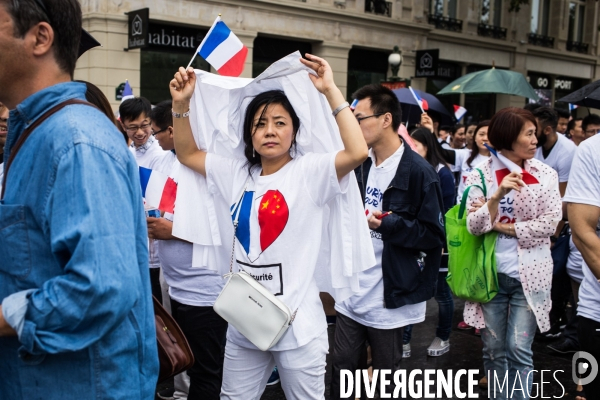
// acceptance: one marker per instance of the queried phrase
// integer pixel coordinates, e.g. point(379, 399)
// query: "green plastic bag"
point(472, 271)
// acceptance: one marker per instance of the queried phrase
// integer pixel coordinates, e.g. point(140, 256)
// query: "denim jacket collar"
point(36, 105)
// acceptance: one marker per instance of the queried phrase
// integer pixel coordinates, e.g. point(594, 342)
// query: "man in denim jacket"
point(76, 319)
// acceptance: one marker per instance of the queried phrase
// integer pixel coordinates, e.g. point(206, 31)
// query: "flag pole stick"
point(200, 45)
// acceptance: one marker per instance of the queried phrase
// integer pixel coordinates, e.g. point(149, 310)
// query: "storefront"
point(169, 47)
point(366, 67)
point(549, 89)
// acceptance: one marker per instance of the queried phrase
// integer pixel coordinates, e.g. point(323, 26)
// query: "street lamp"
point(395, 60)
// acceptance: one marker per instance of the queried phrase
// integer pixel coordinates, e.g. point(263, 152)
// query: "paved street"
point(465, 352)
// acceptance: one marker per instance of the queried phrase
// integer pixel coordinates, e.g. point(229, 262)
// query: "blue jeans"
point(509, 331)
point(443, 296)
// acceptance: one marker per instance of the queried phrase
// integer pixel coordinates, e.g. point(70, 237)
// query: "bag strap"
point(27, 132)
point(465, 195)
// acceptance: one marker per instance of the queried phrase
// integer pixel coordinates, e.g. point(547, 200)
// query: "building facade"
point(552, 42)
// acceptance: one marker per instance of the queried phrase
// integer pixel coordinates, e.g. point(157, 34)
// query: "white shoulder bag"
point(247, 305)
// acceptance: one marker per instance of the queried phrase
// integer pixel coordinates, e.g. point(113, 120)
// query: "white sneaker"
point(438, 347)
point(406, 350)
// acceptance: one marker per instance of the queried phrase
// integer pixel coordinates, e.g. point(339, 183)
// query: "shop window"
point(157, 69)
point(267, 50)
point(365, 67)
point(491, 12)
point(443, 8)
point(576, 14)
point(540, 15)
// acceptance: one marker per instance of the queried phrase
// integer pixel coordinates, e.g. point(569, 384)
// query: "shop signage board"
point(137, 37)
point(426, 63)
point(174, 38)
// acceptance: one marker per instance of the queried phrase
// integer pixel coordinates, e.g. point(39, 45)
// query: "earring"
point(253, 153)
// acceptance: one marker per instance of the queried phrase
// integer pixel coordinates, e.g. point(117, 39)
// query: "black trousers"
point(349, 343)
point(155, 283)
point(205, 331)
point(589, 340)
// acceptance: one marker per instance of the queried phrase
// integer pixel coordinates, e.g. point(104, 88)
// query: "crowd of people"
point(81, 259)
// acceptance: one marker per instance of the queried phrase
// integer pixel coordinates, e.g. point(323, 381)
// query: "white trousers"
point(301, 370)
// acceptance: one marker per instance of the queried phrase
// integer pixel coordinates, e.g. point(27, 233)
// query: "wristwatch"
point(178, 115)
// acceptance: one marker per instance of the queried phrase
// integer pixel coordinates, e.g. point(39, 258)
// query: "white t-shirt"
point(461, 165)
point(560, 157)
point(279, 232)
point(507, 246)
point(148, 156)
point(367, 306)
point(584, 188)
point(198, 287)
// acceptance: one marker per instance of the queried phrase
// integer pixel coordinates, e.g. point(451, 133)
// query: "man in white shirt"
point(583, 198)
point(403, 205)
point(135, 120)
point(557, 151)
point(192, 291)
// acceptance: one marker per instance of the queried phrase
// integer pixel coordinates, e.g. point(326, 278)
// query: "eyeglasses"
point(368, 116)
point(157, 132)
point(132, 130)
point(592, 131)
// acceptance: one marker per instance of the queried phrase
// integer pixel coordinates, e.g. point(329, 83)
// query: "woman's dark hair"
point(428, 139)
point(94, 95)
point(265, 99)
point(506, 125)
point(475, 149)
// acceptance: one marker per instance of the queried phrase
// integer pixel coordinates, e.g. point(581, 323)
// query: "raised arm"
point(355, 148)
point(188, 153)
point(583, 221)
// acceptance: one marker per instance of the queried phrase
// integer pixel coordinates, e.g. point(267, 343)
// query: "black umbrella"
point(87, 42)
point(587, 96)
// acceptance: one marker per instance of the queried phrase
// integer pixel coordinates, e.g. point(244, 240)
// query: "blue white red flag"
point(502, 166)
point(420, 101)
point(222, 49)
point(459, 112)
point(127, 92)
point(572, 107)
point(158, 189)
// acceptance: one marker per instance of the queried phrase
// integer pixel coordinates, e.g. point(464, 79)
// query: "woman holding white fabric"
point(280, 224)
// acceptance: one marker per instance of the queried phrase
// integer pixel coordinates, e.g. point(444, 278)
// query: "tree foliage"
point(515, 5)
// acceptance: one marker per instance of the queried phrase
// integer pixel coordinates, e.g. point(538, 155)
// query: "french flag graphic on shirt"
point(158, 189)
point(223, 50)
point(273, 214)
point(502, 166)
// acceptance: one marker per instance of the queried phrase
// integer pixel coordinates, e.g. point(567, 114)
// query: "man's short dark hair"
point(547, 117)
point(161, 114)
point(447, 128)
point(571, 124)
point(131, 109)
point(591, 119)
point(383, 100)
point(505, 126)
point(63, 15)
point(562, 113)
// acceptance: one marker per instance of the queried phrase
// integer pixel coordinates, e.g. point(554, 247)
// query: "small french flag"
point(502, 166)
point(158, 189)
point(127, 92)
point(459, 112)
point(421, 102)
point(223, 50)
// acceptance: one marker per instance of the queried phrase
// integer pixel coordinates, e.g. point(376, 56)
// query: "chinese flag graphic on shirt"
point(273, 215)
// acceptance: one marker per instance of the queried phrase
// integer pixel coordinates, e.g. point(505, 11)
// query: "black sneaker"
point(166, 394)
point(564, 347)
